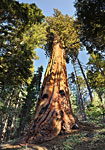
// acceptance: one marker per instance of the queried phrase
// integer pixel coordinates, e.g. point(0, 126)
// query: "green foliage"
point(63, 27)
point(20, 32)
point(96, 109)
point(96, 71)
point(35, 36)
point(96, 74)
point(78, 83)
point(90, 137)
point(86, 139)
point(73, 102)
point(11, 99)
point(29, 102)
point(81, 82)
point(73, 140)
point(17, 104)
point(90, 14)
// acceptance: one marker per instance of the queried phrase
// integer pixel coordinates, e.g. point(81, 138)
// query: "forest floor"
point(90, 136)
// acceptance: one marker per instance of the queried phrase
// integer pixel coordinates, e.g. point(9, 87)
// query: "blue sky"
point(66, 7)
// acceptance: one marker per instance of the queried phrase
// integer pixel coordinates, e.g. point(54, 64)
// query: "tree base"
point(53, 121)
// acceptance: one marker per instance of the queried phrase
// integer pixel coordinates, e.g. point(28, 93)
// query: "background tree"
point(11, 100)
point(96, 75)
point(29, 102)
point(90, 14)
point(92, 36)
point(96, 71)
point(80, 87)
point(18, 22)
point(96, 109)
point(85, 79)
point(21, 31)
point(17, 106)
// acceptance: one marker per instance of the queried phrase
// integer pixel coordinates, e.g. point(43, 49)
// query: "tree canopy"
point(90, 14)
point(96, 72)
point(20, 33)
point(64, 28)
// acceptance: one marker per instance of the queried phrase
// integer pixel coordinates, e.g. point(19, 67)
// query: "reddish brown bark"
point(53, 111)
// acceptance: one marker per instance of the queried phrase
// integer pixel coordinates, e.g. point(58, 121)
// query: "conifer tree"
point(90, 14)
point(20, 33)
point(53, 112)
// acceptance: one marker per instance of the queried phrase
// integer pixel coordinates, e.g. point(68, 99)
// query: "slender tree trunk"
point(5, 128)
point(82, 108)
point(53, 111)
point(5, 124)
point(12, 127)
point(6, 121)
point(1, 128)
point(88, 87)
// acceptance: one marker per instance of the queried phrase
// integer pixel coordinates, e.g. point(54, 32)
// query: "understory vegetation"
point(92, 137)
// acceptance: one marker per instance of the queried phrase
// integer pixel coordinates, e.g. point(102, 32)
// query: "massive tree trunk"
point(53, 112)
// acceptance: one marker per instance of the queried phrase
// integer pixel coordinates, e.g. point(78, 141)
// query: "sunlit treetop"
point(66, 31)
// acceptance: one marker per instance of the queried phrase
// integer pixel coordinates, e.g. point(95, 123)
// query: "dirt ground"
point(87, 137)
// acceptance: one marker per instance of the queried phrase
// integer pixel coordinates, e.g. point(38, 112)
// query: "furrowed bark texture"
point(53, 112)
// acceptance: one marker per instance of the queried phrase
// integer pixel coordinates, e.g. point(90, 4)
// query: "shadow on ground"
point(87, 137)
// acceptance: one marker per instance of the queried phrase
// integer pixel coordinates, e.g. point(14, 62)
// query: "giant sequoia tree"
point(53, 112)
